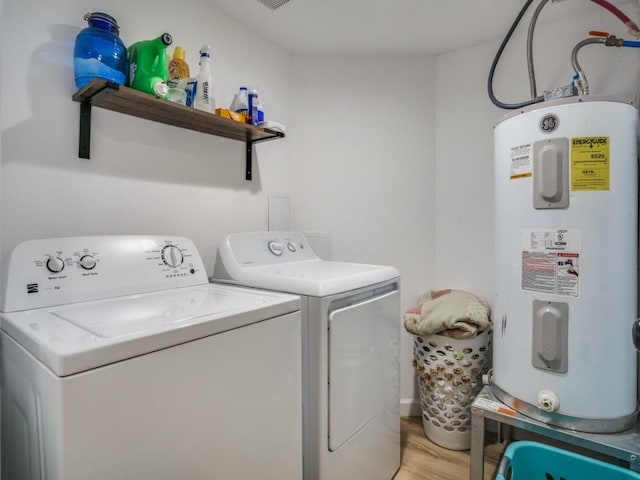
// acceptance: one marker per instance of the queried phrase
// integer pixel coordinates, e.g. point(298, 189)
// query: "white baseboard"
point(410, 407)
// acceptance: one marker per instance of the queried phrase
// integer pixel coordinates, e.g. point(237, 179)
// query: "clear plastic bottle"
point(99, 52)
point(205, 97)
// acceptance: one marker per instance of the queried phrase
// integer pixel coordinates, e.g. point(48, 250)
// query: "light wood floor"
point(424, 460)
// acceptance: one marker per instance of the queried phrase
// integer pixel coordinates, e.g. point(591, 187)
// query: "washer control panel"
point(58, 263)
point(52, 272)
point(172, 256)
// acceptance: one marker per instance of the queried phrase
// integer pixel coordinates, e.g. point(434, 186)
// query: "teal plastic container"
point(148, 65)
point(526, 460)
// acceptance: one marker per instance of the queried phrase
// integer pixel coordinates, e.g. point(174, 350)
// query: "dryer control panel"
point(49, 272)
point(266, 248)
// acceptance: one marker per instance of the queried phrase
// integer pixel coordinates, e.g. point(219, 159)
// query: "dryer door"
point(364, 367)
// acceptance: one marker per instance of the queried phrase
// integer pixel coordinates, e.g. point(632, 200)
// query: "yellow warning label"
point(590, 163)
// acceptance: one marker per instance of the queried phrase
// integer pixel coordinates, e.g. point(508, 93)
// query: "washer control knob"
point(88, 262)
point(55, 264)
point(291, 246)
point(275, 248)
point(172, 256)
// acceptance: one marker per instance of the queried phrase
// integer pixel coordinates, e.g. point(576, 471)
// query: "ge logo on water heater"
point(549, 123)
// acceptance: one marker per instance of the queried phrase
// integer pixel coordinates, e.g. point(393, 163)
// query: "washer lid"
point(316, 277)
point(73, 338)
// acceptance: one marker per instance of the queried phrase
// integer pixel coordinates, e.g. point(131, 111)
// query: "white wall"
point(391, 154)
point(465, 119)
point(363, 147)
point(394, 155)
point(1, 113)
point(142, 177)
point(464, 224)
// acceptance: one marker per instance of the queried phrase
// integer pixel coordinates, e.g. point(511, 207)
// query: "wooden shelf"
point(111, 96)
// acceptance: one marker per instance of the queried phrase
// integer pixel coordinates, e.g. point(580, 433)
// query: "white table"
point(624, 446)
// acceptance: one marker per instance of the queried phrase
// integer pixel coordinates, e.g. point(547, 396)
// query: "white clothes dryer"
point(121, 361)
point(351, 348)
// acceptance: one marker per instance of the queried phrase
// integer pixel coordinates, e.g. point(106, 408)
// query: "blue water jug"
point(99, 52)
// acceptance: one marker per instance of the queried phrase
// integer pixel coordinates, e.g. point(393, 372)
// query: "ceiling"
point(386, 26)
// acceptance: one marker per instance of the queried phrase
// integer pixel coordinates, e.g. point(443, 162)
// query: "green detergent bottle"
point(148, 65)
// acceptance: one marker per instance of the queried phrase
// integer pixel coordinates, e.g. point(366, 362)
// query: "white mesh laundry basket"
point(449, 372)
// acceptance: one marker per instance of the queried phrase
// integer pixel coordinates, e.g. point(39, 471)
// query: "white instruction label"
point(494, 406)
point(551, 260)
point(521, 161)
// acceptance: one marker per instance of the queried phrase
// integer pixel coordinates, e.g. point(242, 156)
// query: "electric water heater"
point(566, 201)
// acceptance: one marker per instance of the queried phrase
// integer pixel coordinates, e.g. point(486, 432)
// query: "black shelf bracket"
point(249, 162)
point(84, 147)
point(249, 149)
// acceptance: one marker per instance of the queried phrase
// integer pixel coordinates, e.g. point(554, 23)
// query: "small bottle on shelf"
point(252, 115)
point(241, 103)
point(260, 111)
point(178, 67)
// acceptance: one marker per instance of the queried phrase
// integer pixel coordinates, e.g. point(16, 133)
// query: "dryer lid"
point(284, 261)
point(72, 338)
point(317, 278)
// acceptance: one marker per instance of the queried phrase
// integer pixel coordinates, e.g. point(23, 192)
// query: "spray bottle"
point(205, 98)
point(148, 71)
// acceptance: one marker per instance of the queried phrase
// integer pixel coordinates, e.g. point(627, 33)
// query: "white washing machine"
point(121, 361)
point(351, 348)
